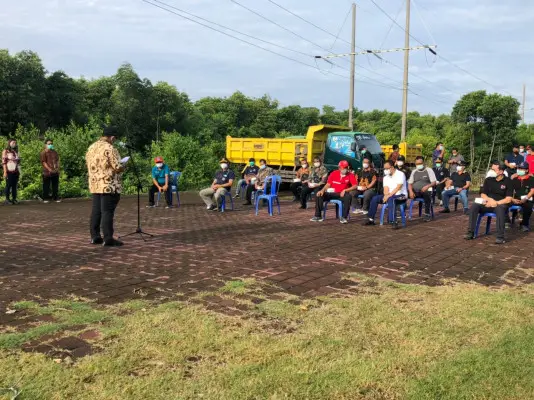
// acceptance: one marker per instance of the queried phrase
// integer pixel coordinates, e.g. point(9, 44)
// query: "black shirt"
point(441, 173)
point(251, 170)
point(223, 177)
point(407, 171)
point(366, 177)
point(459, 181)
point(522, 187)
point(498, 190)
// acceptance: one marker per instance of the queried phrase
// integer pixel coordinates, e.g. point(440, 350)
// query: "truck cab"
point(347, 146)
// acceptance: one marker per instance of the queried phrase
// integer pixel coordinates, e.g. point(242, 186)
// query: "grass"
point(390, 342)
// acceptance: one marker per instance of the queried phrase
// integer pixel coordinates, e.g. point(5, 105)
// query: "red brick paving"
point(44, 252)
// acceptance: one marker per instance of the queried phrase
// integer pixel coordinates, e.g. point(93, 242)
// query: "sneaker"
point(58, 201)
point(113, 243)
point(500, 241)
point(445, 211)
point(369, 222)
point(211, 208)
point(469, 236)
point(167, 207)
point(97, 240)
point(427, 218)
point(236, 196)
point(466, 211)
point(365, 212)
point(303, 208)
point(441, 203)
point(524, 229)
point(507, 225)
point(358, 211)
point(343, 220)
point(15, 202)
point(151, 206)
point(46, 201)
point(317, 219)
point(395, 225)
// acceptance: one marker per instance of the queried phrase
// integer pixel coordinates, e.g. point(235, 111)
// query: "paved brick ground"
point(44, 252)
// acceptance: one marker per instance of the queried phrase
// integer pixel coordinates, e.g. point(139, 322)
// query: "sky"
point(491, 39)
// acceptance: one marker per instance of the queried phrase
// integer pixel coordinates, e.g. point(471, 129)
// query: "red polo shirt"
point(530, 159)
point(340, 183)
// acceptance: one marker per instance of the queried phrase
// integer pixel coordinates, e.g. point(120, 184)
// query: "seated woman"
point(160, 182)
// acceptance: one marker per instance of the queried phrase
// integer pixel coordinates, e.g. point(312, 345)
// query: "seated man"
point(315, 182)
point(160, 182)
point(367, 179)
point(250, 171)
point(420, 185)
point(222, 183)
point(338, 187)
point(461, 181)
point(259, 182)
point(401, 166)
point(442, 174)
point(394, 193)
point(496, 196)
point(302, 175)
point(523, 186)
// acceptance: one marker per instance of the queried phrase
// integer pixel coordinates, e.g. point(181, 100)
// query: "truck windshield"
point(368, 141)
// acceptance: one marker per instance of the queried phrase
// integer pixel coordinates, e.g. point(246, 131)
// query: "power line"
point(341, 28)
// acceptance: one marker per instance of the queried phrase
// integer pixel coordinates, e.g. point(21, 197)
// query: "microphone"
point(125, 145)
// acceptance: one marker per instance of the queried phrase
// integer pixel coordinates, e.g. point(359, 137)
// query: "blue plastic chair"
point(223, 200)
point(175, 178)
point(339, 208)
point(514, 210)
point(273, 182)
point(488, 222)
point(421, 201)
point(402, 207)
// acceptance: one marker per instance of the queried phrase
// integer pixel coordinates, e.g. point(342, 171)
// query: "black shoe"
point(97, 240)
point(113, 243)
point(469, 236)
point(445, 211)
point(211, 208)
point(302, 208)
point(427, 218)
point(369, 222)
point(395, 225)
point(247, 203)
point(15, 202)
point(525, 229)
point(500, 241)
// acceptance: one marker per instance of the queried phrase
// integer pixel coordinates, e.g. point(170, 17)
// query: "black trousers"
point(251, 188)
point(102, 214)
point(319, 203)
point(439, 190)
point(427, 197)
point(295, 188)
point(154, 189)
point(366, 201)
point(501, 211)
point(48, 181)
point(306, 191)
point(12, 183)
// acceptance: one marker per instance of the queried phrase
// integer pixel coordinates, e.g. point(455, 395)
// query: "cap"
point(158, 159)
point(110, 131)
point(343, 164)
point(523, 165)
point(223, 160)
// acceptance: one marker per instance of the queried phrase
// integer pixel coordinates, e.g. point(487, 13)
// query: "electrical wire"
point(341, 29)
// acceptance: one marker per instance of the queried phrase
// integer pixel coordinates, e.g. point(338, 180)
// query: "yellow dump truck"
point(330, 142)
point(410, 151)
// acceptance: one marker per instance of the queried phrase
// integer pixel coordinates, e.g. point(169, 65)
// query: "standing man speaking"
point(105, 168)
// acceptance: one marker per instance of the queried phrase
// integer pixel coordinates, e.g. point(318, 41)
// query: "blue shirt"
point(435, 155)
point(517, 159)
point(159, 174)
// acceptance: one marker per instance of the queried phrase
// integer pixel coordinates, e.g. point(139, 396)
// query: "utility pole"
point(352, 66)
point(523, 103)
point(406, 65)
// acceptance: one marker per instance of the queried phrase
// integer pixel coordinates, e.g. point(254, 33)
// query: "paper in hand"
point(125, 160)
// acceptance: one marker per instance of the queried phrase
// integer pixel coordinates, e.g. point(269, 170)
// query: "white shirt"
point(392, 181)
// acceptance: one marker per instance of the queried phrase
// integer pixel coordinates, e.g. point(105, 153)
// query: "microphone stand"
point(138, 230)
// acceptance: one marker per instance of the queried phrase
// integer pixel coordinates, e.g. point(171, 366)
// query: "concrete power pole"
point(352, 66)
point(523, 103)
point(406, 62)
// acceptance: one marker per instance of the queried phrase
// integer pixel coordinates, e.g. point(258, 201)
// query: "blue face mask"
point(251, 163)
point(50, 146)
point(521, 172)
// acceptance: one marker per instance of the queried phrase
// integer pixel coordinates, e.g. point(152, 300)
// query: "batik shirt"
point(103, 162)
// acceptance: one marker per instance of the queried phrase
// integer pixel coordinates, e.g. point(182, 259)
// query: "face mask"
point(224, 165)
point(159, 165)
point(459, 169)
point(491, 174)
point(50, 146)
point(12, 145)
point(262, 166)
point(400, 163)
point(521, 172)
point(251, 163)
point(304, 166)
point(438, 165)
point(387, 172)
point(364, 151)
point(441, 147)
point(316, 164)
point(521, 150)
point(343, 171)
point(365, 165)
point(420, 167)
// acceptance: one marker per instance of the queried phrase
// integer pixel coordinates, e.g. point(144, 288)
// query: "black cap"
point(110, 131)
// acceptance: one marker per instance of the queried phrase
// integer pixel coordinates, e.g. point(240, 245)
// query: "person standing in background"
point(529, 158)
point(455, 160)
point(105, 168)
point(11, 167)
point(394, 156)
point(438, 152)
point(50, 162)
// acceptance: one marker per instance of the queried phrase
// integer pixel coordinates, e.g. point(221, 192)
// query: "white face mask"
point(304, 166)
point(420, 167)
point(387, 172)
point(366, 165)
point(459, 168)
point(441, 147)
point(400, 163)
point(491, 174)
point(159, 165)
point(224, 165)
point(262, 166)
point(316, 164)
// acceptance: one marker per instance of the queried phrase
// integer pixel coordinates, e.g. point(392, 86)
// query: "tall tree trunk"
point(492, 147)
